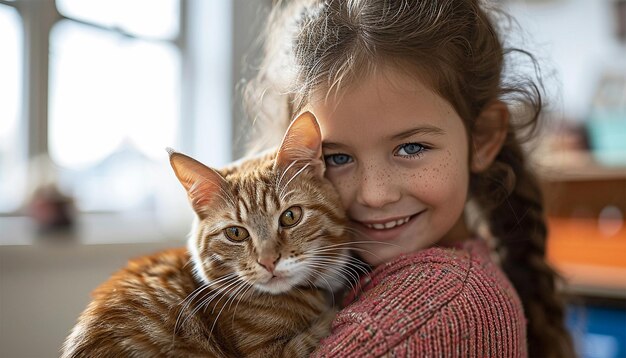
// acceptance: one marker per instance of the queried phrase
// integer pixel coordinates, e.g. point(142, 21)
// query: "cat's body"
point(265, 254)
point(141, 312)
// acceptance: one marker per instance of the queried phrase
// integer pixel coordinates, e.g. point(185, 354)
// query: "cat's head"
point(273, 222)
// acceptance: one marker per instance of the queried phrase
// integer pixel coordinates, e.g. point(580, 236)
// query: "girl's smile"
point(398, 155)
point(385, 230)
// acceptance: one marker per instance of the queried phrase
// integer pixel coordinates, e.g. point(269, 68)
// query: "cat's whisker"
point(244, 285)
point(185, 303)
point(189, 262)
point(323, 271)
point(223, 306)
point(189, 299)
point(203, 301)
point(337, 252)
point(299, 290)
point(321, 274)
point(358, 233)
point(282, 175)
point(293, 177)
point(337, 263)
point(354, 271)
point(310, 283)
point(330, 288)
point(358, 249)
point(360, 242)
point(328, 265)
point(249, 287)
point(229, 301)
point(349, 261)
point(285, 195)
point(193, 294)
point(221, 292)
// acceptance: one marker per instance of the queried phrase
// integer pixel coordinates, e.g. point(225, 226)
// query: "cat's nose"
point(269, 262)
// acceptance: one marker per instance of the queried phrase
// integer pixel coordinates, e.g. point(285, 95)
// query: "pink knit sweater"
point(438, 302)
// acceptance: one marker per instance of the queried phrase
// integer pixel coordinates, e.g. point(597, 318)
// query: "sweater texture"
point(438, 302)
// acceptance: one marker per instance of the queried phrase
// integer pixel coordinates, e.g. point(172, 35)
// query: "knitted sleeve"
point(355, 336)
point(442, 306)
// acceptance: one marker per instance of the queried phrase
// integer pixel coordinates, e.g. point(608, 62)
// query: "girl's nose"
point(377, 188)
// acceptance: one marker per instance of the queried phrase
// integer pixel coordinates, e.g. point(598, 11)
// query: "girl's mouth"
point(386, 229)
point(388, 224)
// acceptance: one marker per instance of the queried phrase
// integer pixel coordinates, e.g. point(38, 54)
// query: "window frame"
point(212, 119)
point(38, 19)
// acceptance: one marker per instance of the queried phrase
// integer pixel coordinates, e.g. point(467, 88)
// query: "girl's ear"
point(489, 135)
point(204, 185)
point(301, 146)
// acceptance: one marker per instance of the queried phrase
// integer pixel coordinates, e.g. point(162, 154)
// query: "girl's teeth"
point(388, 225)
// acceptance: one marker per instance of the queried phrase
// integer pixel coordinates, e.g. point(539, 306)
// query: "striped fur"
point(214, 299)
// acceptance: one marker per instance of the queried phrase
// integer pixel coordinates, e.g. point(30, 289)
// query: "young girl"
point(419, 121)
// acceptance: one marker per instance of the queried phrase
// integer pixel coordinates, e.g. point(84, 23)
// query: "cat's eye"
point(236, 233)
point(291, 216)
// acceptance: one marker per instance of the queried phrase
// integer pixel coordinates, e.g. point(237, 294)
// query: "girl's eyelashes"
point(410, 150)
point(406, 150)
point(338, 159)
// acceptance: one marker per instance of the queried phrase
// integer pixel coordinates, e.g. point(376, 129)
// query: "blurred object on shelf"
point(586, 192)
point(606, 125)
point(591, 259)
point(51, 209)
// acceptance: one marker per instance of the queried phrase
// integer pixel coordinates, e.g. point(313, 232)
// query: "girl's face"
point(398, 155)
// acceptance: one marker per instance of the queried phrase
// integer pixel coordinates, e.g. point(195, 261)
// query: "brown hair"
point(454, 46)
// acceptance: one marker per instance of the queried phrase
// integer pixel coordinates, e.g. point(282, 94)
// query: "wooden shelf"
point(592, 262)
point(574, 166)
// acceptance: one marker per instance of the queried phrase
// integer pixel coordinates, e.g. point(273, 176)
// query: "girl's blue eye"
point(410, 149)
point(337, 159)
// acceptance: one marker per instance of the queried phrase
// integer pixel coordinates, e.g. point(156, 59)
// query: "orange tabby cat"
point(267, 248)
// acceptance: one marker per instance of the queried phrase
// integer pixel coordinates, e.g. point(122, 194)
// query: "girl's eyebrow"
point(331, 145)
point(429, 130)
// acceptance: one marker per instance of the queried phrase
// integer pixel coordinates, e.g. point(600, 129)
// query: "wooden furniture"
point(586, 207)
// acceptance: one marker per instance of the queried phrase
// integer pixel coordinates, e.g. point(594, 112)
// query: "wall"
point(575, 42)
point(45, 287)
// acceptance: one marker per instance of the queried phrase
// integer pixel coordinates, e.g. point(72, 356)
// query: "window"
point(12, 149)
point(99, 89)
point(114, 106)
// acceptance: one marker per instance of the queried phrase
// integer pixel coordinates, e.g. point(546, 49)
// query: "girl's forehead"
point(388, 101)
point(382, 77)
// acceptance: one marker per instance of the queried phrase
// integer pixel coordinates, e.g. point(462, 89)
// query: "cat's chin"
point(275, 285)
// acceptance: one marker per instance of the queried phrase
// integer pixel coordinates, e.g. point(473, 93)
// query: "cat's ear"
point(204, 185)
point(301, 146)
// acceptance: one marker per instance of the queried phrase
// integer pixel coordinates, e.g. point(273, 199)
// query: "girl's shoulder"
point(454, 295)
point(428, 272)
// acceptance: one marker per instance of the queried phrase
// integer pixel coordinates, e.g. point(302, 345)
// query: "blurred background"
point(93, 91)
